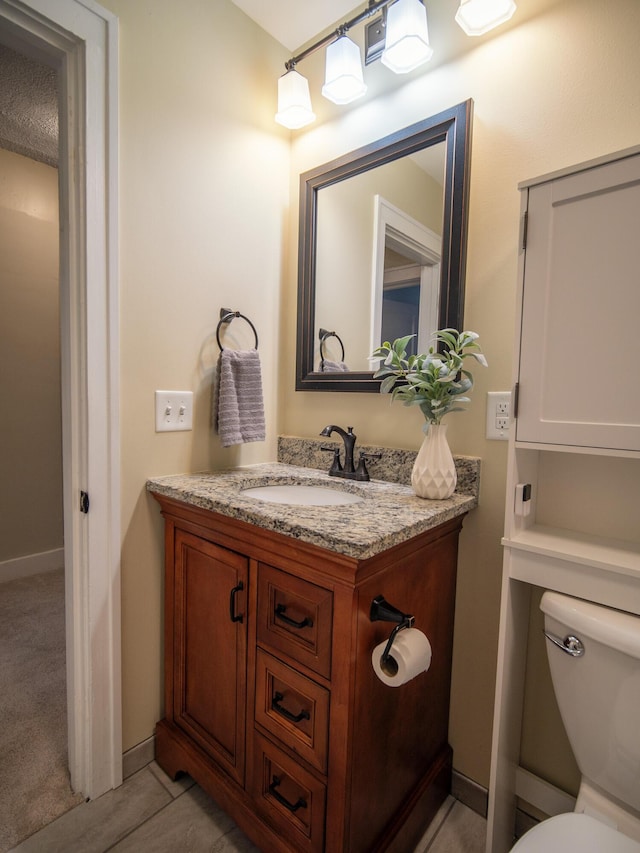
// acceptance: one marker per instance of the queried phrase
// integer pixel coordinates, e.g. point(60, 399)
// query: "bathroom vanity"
point(271, 701)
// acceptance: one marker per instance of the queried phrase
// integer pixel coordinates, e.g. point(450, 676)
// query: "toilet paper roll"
point(410, 655)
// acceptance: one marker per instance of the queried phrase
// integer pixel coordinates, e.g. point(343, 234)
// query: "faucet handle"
point(361, 471)
point(336, 465)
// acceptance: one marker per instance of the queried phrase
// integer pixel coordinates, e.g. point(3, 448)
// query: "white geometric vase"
point(434, 471)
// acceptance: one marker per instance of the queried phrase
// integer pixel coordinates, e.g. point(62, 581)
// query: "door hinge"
point(84, 502)
point(516, 399)
point(524, 227)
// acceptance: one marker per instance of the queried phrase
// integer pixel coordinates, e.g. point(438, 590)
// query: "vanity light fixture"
point(405, 47)
point(343, 74)
point(477, 17)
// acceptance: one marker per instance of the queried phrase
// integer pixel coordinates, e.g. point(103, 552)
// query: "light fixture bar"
point(399, 37)
point(373, 7)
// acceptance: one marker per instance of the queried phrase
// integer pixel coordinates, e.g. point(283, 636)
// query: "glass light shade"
point(294, 102)
point(479, 16)
point(343, 81)
point(406, 43)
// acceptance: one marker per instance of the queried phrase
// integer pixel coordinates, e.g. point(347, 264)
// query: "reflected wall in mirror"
point(382, 249)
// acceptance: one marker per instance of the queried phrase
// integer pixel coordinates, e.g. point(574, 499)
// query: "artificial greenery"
point(436, 381)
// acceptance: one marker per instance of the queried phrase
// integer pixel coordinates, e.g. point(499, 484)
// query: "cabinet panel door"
point(580, 348)
point(211, 649)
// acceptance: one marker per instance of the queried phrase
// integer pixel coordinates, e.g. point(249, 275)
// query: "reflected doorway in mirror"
point(406, 277)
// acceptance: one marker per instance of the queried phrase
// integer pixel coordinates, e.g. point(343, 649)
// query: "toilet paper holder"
point(382, 611)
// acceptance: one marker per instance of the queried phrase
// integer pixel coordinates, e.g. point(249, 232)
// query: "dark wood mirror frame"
point(453, 127)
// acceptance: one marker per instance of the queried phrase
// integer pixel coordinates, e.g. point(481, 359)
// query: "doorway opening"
point(81, 44)
point(406, 278)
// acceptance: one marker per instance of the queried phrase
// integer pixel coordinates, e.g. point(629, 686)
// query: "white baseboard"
point(544, 796)
point(138, 756)
point(31, 564)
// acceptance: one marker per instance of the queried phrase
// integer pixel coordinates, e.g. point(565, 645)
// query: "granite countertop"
point(390, 513)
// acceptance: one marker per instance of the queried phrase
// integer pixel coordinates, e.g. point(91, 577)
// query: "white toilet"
point(594, 656)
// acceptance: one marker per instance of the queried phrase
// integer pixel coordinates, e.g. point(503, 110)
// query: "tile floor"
point(151, 814)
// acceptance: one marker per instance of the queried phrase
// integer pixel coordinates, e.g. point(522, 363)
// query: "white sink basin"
point(302, 495)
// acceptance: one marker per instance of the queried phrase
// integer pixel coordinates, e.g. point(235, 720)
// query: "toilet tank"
point(598, 692)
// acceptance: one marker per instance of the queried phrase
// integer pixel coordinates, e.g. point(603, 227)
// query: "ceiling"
point(295, 22)
point(28, 107)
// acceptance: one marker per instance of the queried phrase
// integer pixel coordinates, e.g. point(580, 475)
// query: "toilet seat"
point(574, 833)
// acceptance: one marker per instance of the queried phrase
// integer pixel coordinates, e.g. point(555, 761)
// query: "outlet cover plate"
point(174, 411)
point(498, 414)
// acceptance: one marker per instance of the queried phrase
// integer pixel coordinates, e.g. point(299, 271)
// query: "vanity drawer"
point(293, 709)
point(290, 798)
point(294, 617)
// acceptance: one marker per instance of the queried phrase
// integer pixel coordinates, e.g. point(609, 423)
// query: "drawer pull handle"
point(292, 807)
point(281, 614)
point(294, 718)
point(232, 603)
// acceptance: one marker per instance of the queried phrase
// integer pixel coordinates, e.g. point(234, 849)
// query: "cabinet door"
point(580, 348)
point(211, 649)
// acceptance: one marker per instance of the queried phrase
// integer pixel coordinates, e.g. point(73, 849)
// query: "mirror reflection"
point(381, 250)
point(378, 249)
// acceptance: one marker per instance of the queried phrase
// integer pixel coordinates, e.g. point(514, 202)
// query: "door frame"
point(80, 39)
point(419, 243)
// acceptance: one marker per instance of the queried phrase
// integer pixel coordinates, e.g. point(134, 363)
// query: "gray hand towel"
point(328, 366)
point(240, 407)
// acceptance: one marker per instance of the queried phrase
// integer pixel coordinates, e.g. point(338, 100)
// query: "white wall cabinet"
point(580, 343)
point(576, 360)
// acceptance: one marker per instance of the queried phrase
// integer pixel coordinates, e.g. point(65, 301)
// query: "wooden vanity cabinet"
point(271, 701)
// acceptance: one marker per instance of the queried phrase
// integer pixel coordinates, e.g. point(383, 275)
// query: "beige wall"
point(560, 89)
point(31, 445)
point(203, 216)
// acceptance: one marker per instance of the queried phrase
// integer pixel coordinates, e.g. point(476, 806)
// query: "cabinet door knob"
point(293, 718)
point(232, 603)
point(281, 614)
point(292, 807)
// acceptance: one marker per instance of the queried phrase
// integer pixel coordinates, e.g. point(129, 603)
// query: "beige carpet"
point(34, 777)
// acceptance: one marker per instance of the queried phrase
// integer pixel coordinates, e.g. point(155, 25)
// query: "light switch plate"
point(174, 411)
point(498, 414)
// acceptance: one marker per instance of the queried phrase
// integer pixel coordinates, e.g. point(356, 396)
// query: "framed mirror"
point(382, 249)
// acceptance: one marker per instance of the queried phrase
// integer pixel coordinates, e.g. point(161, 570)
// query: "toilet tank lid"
point(612, 628)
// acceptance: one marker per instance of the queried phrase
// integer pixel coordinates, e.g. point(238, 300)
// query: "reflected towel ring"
point(226, 316)
point(323, 334)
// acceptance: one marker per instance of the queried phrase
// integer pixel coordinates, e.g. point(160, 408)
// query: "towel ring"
point(226, 316)
point(323, 334)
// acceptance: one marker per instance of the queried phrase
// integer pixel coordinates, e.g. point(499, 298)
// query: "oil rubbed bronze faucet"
point(348, 471)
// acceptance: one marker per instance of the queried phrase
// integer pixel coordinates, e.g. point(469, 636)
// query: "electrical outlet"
point(498, 414)
point(174, 411)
